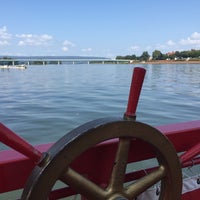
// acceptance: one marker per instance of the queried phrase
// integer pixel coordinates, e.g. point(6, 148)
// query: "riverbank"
point(170, 62)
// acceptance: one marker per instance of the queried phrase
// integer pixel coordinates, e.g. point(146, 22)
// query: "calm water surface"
point(42, 103)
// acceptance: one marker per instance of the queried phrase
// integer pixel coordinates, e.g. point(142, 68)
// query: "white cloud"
point(170, 43)
point(194, 39)
point(196, 36)
point(148, 48)
point(4, 36)
point(33, 40)
point(46, 37)
point(87, 50)
point(4, 33)
point(160, 46)
point(4, 43)
point(67, 44)
point(65, 48)
point(134, 48)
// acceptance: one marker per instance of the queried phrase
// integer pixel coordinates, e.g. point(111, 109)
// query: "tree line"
point(158, 55)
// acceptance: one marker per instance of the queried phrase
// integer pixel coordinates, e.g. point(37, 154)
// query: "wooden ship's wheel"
point(56, 165)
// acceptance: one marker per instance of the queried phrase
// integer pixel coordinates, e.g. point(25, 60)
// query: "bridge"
point(59, 61)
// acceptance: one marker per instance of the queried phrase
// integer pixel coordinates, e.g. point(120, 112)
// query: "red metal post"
point(134, 94)
point(14, 141)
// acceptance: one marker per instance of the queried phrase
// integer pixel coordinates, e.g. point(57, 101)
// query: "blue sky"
point(97, 28)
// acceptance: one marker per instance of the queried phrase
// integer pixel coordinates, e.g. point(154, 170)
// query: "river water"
point(42, 103)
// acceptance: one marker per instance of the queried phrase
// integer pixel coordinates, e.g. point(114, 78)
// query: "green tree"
point(184, 54)
point(127, 57)
point(157, 55)
point(194, 53)
point(145, 56)
point(119, 57)
point(177, 54)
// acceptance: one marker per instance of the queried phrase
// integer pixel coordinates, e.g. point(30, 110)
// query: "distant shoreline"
point(169, 62)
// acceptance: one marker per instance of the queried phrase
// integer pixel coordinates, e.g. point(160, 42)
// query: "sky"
point(105, 28)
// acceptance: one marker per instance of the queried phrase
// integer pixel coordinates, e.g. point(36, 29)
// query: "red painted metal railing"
point(190, 154)
point(11, 139)
point(15, 168)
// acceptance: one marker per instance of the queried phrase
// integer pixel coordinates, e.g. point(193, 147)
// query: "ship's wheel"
point(56, 165)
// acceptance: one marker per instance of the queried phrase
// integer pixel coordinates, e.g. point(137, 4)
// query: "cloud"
point(65, 48)
point(4, 36)
point(148, 48)
point(170, 43)
point(4, 33)
point(87, 50)
point(67, 44)
point(4, 43)
point(33, 40)
point(194, 39)
point(160, 46)
point(134, 48)
point(196, 36)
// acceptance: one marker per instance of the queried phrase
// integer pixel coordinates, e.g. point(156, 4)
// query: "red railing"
point(15, 167)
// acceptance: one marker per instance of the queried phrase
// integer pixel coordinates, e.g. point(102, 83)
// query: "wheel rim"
point(63, 152)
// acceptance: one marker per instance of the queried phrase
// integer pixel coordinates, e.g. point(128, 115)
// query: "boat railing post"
point(11, 139)
point(190, 154)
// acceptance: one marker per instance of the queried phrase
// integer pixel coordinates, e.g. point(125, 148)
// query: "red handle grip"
point(134, 94)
